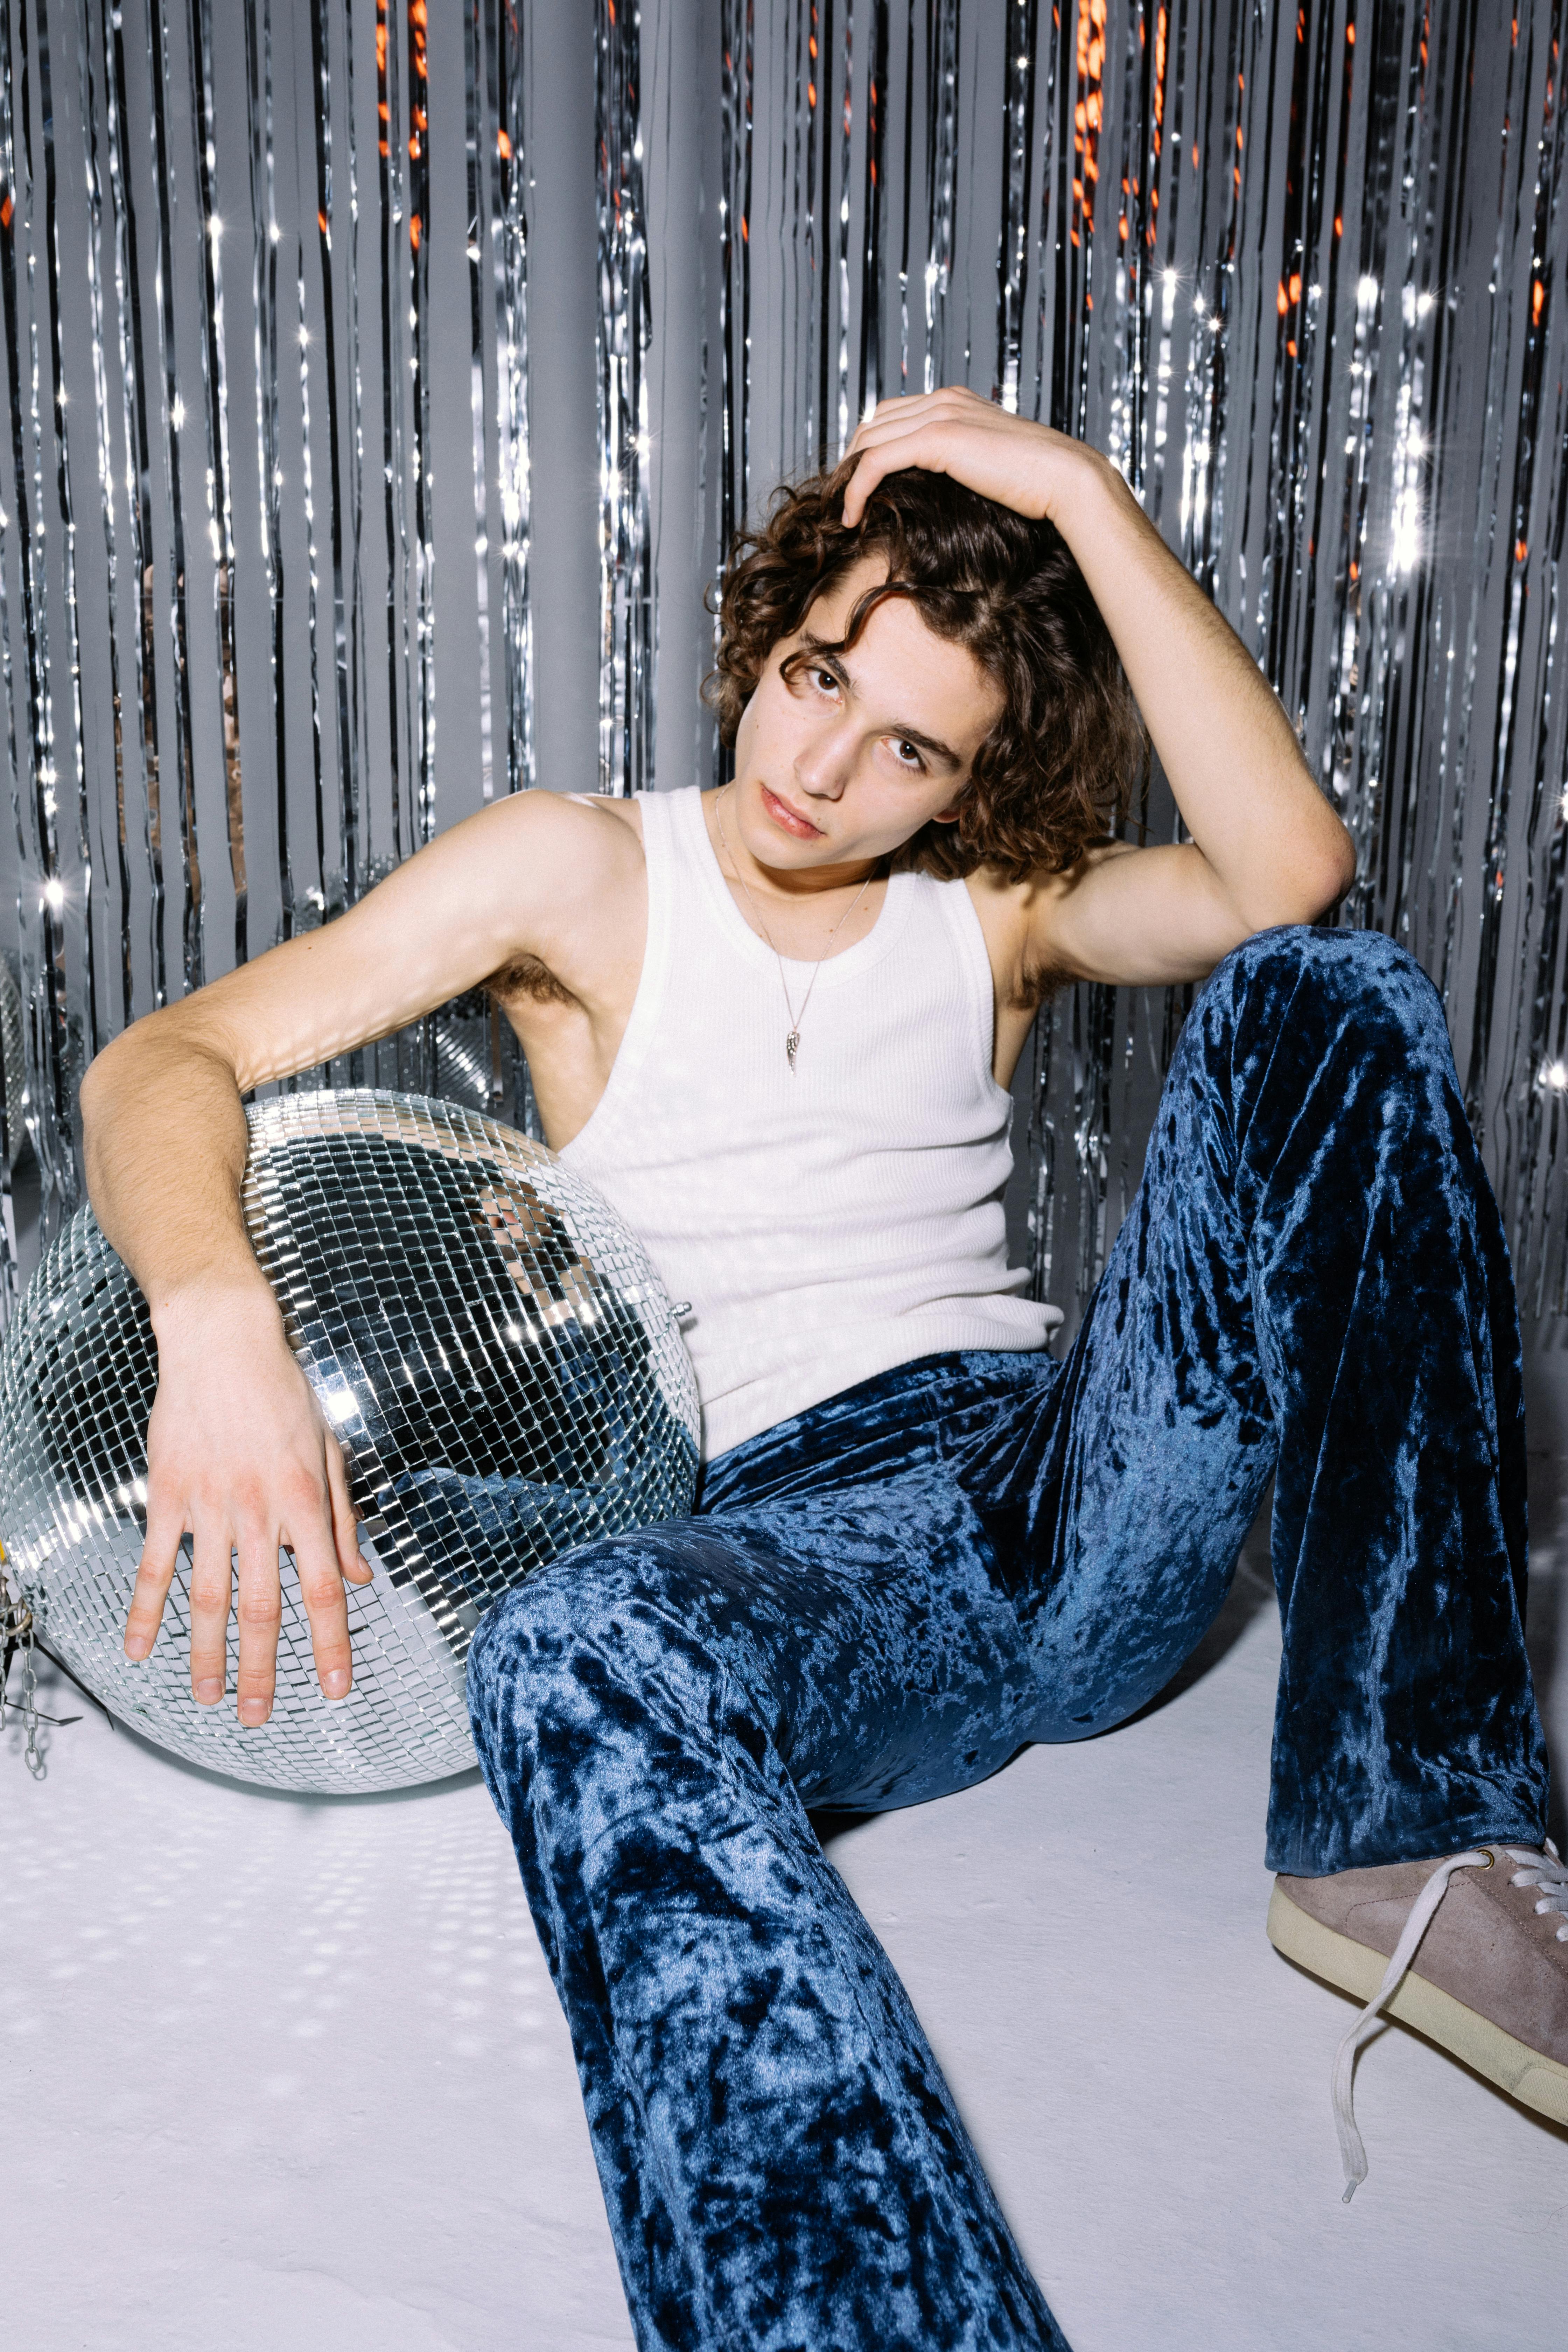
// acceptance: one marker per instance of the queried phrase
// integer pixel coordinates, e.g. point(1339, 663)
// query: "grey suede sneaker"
point(1472, 1950)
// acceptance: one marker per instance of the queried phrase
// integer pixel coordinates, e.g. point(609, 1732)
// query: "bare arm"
point(238, 1454)
point(1267, 847)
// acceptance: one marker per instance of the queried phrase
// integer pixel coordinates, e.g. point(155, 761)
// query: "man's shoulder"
point(560, 879)
point(581, 820)
point(552, 847)
point(623, 811)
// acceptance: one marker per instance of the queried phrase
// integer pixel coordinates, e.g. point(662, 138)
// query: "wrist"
point(1088, 491)
point(199, 1308)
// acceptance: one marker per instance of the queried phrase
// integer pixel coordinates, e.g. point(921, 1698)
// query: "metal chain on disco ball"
point(19, 1639)
point(16, 1640)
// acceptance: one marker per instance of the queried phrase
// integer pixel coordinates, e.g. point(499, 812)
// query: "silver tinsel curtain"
point(383, 383)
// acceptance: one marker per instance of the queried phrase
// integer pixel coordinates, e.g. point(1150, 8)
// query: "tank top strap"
point(683, 826)
point(660, 863)
point(957, 910)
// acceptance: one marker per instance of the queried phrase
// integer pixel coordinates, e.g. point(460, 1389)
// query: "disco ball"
point(501, 1365)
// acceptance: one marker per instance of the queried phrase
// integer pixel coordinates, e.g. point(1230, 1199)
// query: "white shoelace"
point(1553, 1882)
point(1552, 1877)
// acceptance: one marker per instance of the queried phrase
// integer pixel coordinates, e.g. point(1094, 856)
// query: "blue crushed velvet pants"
point(882, 1599)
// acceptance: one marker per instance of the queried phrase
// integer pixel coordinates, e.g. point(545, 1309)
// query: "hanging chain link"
point(17, 1633)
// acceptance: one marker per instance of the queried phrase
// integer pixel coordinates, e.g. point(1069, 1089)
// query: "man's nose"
point(822, 766)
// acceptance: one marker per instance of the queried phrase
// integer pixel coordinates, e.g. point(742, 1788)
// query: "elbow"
point(103, 1071)
point(1339, 868)
point(1324, 880)
point(94, 1106)
point(123, 1063)
point(1306, 890)
point(97, 1081)
point(100, 1085)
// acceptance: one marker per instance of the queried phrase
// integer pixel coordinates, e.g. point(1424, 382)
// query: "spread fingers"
point(210, 1586)
point(260, 1615)
point(344, 1519)
point(154, 1574)
point(326, 1605)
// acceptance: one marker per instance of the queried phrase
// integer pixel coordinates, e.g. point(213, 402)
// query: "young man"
point(776, 1024)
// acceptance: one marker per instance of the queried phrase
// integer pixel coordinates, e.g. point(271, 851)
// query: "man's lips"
point(789, 820)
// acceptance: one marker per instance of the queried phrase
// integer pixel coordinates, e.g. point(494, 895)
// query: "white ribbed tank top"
point(829, 1222)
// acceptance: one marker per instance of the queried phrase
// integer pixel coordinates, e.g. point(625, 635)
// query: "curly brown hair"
point(1059, 767)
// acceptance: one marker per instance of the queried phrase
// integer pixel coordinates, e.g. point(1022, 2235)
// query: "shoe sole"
point(1526, 2074)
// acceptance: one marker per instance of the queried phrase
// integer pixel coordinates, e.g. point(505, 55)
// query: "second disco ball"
point(502, 1368)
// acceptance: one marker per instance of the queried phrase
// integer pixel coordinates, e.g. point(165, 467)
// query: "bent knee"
point(603, 1615)
point(1364, 976)
point(1353, 960)
point(576, 1589)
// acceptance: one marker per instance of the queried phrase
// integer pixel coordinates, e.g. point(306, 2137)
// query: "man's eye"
point(825, 681)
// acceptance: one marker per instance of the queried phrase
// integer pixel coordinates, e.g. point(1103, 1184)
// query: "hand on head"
point(1008, 458)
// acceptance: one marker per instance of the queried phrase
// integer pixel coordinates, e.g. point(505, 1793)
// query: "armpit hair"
point(527, 975)
point(1038, 984)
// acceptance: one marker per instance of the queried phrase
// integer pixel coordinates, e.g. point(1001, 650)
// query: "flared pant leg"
point(782, 2161)
point(1313, 1282)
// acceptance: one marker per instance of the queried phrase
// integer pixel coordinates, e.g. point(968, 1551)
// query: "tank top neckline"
point(685, 812)
point(667, 816)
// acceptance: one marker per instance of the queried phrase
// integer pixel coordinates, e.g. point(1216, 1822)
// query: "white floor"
point(292, 2074)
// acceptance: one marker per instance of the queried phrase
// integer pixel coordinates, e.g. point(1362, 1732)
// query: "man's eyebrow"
point(822, 651)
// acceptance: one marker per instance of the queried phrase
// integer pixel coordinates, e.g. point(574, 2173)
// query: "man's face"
point(848, 757)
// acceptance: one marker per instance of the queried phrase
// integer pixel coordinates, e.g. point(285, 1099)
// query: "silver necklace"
point(792, 1036)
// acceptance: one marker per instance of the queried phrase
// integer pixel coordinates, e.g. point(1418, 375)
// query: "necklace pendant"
point(791, 1046)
